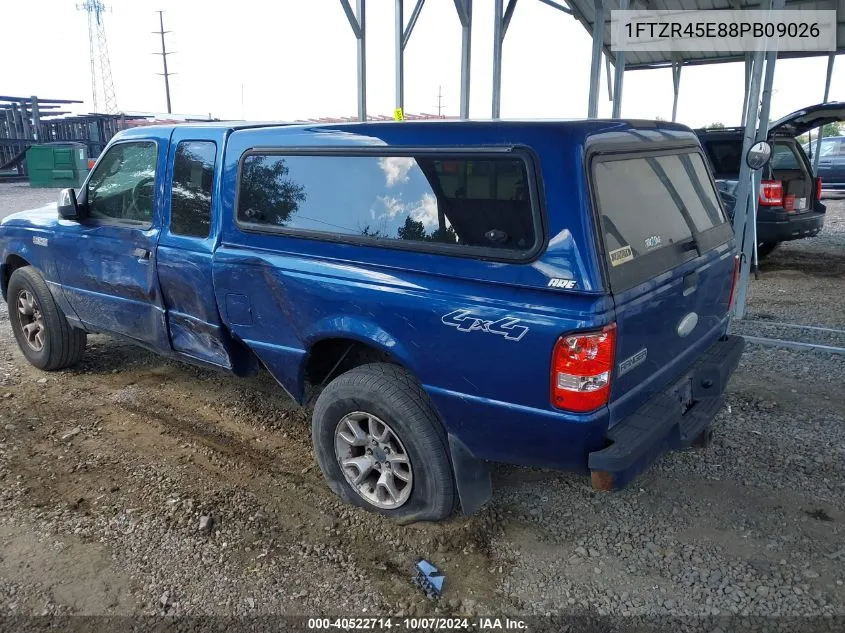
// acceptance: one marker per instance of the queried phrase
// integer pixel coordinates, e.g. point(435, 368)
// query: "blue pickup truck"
point(452, 293)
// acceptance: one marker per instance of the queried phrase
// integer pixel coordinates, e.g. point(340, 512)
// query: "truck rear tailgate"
point(670, 258)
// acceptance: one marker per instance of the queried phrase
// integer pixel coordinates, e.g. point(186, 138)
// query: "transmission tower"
point(98, 50)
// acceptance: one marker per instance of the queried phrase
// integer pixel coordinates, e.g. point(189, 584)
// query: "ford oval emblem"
point(687, 324)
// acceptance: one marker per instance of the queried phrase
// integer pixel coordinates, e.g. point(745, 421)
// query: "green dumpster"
point(57, 165)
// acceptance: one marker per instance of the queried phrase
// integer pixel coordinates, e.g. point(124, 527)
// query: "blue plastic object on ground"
point(428, 578)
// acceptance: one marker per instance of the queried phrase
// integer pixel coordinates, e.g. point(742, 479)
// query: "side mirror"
point(68, 207)
point(758, 156)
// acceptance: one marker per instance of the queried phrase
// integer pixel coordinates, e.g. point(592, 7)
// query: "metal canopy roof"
point(585, 12)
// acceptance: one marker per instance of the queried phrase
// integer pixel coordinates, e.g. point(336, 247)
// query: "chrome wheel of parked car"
point(373, 460)
point(31, 319)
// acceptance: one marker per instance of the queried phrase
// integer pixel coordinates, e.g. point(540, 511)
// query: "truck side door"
point(189, 235)
point(106, 261)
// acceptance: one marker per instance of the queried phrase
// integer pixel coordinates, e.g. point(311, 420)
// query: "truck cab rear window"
point(190, 198)
point(653, 211)
point(468, 203)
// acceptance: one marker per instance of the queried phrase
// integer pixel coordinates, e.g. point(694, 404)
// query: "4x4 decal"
point(466, 321)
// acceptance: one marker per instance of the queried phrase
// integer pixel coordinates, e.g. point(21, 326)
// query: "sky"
point(296, 59)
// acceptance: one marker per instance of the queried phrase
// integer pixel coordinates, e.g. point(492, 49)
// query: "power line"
point(164, 55)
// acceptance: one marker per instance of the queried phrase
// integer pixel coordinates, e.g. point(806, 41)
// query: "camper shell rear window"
point(656, 210)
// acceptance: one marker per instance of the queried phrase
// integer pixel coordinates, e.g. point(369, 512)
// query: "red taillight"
point(818, 188)
point(581, 366)
point(771, 193)
point(737, 268)
point(91, 162)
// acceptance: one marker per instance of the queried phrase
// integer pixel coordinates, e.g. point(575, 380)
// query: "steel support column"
point(362, 61)
point(464, 9)
point(830, 60)
point(676, 87)
point(619, 76)
point(359, 30)
point(745, 212)
point(618, 79)
point(498, 37)
point(403, 34)
point(501, 22)
point(595, 62)
point(400, 56)
point(749, 61)
point(762, 134)
point(743, 191)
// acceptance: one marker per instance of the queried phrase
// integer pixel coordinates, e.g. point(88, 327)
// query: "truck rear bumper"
point(793, 228)
point(673, 419)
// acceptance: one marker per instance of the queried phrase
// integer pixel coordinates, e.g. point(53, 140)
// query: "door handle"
point(142, 254)
point(690, 283)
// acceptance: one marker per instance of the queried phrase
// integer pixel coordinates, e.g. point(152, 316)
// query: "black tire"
point(62, 344)
point(391, 394)
point(765, 249)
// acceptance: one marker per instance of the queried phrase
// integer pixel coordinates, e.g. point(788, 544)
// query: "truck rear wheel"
point(381, 445)
point(43, 334)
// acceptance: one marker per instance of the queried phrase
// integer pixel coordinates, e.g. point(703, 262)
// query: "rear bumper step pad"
point(664, 422)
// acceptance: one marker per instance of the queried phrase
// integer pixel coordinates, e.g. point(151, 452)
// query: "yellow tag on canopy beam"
point(398, 115)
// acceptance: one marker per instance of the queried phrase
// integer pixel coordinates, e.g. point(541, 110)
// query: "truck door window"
point(190, 198)
point(467, 203)
point(829, 148)
point(122, 187)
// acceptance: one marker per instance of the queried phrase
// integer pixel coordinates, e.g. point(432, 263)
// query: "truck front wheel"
point(381, 445)
point(43, 334)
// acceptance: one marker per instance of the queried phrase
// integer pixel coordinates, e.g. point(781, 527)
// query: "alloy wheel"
point(31, 320)
point(373, 460)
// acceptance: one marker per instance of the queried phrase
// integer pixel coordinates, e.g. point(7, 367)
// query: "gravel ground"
point(17, 196)
point(134, 485)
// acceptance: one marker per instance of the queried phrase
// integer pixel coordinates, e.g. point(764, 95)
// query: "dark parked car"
point(789, 206)
point(831, 162)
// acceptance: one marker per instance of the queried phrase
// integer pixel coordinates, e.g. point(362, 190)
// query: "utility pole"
point(439, 101)
point(164, 55)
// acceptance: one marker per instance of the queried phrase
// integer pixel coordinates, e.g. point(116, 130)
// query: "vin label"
point(621, 255)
